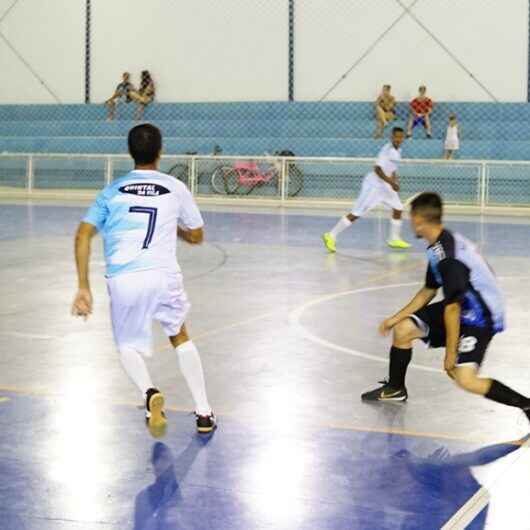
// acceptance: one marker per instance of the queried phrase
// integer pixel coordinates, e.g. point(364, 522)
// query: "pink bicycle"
point(245, 176)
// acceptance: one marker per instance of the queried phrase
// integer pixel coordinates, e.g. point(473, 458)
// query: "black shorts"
point(473, 340)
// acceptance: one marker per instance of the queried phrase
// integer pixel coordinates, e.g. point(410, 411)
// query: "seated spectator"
point(384, 110)
point(121, 93)
point(144, 95)
point(420, 110)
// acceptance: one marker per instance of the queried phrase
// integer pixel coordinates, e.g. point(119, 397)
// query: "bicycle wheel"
point(274, 182)
point(225, 180)
point(295, 181)
point(181, 172)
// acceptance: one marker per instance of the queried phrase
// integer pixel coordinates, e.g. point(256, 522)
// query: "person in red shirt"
point(420, 111)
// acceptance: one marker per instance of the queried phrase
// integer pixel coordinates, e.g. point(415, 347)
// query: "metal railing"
point(476, 183)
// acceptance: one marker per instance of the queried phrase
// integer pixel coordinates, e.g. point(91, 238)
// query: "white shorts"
point(374, 193)
point(451, 145)
point(138, 298)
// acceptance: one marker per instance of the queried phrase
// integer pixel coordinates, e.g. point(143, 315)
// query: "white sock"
point(343, 223)
point(135, 367)
point(191, 368)
point(395, 229)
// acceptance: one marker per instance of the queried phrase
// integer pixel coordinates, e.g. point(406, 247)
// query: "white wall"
point(236, 50)
point(489, 36)
point(196, 50)
point(49, 35)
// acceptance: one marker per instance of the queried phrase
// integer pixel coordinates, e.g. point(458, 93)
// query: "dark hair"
point(429, 205)
point(145, 143)
point(397, 130)
point(145, 79)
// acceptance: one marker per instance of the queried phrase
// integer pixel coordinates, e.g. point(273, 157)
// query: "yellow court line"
point(4, 399)
point(313, 426)
point(382, 276)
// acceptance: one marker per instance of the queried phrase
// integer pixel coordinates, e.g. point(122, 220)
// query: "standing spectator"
point(452, 137)
point(121, 93)
point(420, 111)
point(384, 110)
point(144, 95)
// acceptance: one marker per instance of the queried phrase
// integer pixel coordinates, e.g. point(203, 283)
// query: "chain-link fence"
point(477, 184)
point(250, 78)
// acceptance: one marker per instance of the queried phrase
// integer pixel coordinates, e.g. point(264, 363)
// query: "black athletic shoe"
point(206, 424)
point(154, 413)
point(386, 393)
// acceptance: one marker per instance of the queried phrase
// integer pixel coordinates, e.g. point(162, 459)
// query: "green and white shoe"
point(329, 241)
point(398, 243)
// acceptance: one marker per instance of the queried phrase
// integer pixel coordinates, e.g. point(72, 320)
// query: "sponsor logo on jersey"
point(144, 190)
point(439, 251)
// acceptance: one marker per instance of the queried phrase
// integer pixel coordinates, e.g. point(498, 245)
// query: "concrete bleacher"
point(489, 130)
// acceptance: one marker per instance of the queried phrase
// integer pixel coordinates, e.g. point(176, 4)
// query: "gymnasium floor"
point(288, 340)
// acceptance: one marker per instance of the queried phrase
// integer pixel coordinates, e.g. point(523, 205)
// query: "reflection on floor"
point(287, 335)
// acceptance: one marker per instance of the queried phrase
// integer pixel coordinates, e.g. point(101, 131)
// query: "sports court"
point(288, 340)
point(272, 113)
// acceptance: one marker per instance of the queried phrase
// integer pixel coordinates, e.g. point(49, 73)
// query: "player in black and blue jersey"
point(464, 322)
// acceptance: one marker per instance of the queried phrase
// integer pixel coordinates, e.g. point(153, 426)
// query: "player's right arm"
point(88, 228)
point(421, 299)
point(82, 305)
point(389, 180)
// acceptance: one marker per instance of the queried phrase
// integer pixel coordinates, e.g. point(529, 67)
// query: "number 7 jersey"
point(138, 215)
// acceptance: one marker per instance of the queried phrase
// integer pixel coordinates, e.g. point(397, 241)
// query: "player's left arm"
point(82, 305)
point(191, 223)
point(452, 333)
point(455, 278)
point(194, 236)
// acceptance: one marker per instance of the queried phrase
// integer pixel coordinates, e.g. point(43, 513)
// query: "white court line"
point(467, 513)
point(21, 335)
point(296, 316)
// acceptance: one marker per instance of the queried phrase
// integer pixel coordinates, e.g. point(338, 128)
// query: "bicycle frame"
point(249, 174)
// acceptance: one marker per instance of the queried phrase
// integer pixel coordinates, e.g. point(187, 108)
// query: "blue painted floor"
point(90, 465)
point(287, 336)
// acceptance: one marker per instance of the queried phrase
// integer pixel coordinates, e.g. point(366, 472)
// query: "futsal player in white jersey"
point(380, 186)
point(139, 216)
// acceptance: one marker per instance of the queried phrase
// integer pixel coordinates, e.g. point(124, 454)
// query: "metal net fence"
point(478, 184)
point(306, 78)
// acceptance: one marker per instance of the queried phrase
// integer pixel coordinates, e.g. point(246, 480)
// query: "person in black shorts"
point(469, 316)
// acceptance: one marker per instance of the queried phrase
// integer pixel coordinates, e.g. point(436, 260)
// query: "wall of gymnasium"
point(236, 50)
point(489, 38)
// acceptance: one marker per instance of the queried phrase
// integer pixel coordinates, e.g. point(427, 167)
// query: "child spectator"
point(420, 110)
point(121, 93)
point(452, 137)
point(144, 95)
point(384, 110)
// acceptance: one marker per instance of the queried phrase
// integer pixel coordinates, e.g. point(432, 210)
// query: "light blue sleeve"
point(97, 214)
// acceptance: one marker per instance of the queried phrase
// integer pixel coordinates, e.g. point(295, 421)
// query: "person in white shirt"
point(452, 137)
point(380, 186)
point(140, 216)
